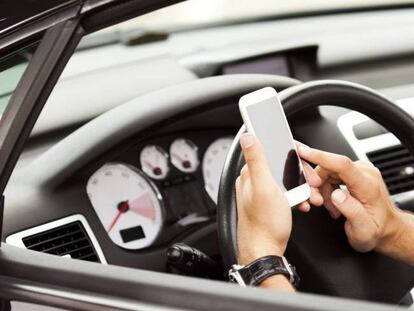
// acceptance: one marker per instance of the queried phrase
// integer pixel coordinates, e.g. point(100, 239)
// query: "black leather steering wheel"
point(318, 246)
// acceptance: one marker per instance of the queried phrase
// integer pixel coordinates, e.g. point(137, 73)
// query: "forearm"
point(279, 283)
point(398, 242)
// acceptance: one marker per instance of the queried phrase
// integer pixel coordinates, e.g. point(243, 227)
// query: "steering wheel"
point(318, 246)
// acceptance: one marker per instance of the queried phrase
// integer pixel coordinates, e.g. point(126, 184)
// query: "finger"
point(312, 177)
point(238, 182)
point(326, 191)
point(335, 181)
point(304, 207)
point(324, 174)
point(238, 191)
point(315, 197)
point(244, 172)
point(350, 207)
point(299, 144)
point(255, 157)
point(335, 163)
point(328, 176)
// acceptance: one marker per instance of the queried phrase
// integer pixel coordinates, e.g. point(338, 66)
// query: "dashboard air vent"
point(67, 240)
point(397, 167)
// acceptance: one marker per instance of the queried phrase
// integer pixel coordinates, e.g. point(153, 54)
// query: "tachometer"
point(127, 203)
point(213, 162)
point(184, 155)
point(154, 162)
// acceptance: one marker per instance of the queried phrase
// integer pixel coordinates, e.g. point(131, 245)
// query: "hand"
point(370, 214)
point(264, 215)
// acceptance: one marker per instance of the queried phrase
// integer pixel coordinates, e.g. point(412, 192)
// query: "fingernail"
point(303, 149)
point(247, 140)
point(338, 196)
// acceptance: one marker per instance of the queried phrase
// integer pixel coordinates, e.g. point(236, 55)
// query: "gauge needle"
point(122, 209)
point(149, 165)
point(178, 157)
point(186, 163)
point(143, 206)
point(155, 169)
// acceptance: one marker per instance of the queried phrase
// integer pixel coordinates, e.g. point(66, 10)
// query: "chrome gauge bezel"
point(203, 162)
point(195, 149)
point(156, 192)
point(166, 157)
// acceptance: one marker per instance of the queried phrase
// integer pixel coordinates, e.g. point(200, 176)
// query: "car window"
point(12, 67)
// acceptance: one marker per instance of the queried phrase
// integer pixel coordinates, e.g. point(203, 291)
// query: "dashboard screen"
point(276, 65)
point(132, 234)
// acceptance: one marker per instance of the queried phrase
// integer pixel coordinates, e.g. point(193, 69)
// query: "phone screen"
point(269, 125)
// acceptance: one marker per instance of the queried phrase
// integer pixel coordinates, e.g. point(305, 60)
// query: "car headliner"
point(15, 14)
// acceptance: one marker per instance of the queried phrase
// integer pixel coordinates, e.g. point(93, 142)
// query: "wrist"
point(266, 271)
point(257, 251)
point(393, 230)
point(279, 282)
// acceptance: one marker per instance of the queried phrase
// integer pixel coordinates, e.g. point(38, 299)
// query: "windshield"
point(12, 68)
point(196, 13)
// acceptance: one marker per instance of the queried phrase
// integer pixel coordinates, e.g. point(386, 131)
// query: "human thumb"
point(349, 206)
point(254, 155)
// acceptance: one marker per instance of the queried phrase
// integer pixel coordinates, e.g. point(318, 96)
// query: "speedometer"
point(127, 204)
point(213, 162)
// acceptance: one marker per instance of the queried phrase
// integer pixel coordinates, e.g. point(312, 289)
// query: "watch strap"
point(259, 270)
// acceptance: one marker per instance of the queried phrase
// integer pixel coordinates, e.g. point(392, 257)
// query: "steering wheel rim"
point(294, 100)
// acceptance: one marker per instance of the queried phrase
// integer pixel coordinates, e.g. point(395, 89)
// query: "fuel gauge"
point(154, 162)
point(184, 155)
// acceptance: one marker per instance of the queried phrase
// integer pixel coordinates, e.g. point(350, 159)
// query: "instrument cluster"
point(163, 185)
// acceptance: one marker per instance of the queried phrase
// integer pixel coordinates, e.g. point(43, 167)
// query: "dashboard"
point(160, 188)
point(268, 64)
point(155, 185)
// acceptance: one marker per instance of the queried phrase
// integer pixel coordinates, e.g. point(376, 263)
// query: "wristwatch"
point(259, 270)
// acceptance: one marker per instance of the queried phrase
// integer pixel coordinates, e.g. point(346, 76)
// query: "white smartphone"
point(263, 115)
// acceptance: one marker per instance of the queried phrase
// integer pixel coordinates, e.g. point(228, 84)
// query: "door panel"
point(80, 285)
